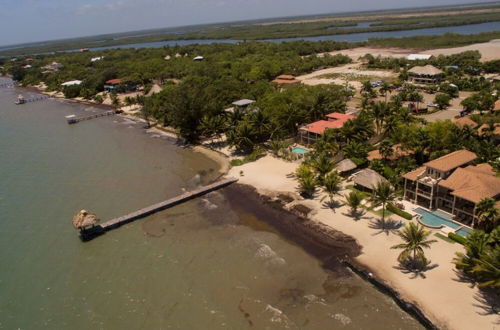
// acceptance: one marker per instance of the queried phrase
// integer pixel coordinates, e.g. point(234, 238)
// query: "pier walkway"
point(117, 222)
point(72, 119)
point(32, 99)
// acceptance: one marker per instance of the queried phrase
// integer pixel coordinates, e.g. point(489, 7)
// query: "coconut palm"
point(354, 200)
point(385, 149)
point(332, 185)
point(383, 193)
point(486, 213)
point(384, 89)
point(415, 240)
point(487, 268)
point(307, 181)
point(475, 244)
point(322, 165)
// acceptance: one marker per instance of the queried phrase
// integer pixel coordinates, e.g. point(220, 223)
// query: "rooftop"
point(243, 102)
point(425, 70)
point(483, 129)
point(368, 178)
point(71, 83)
point(345, 165)
point(452, 160)
point(340, 116)
point(413, 175)
point(320, 126)
point(465, 121)
point(497, 106)
point(114, 82)
point(397, 152)
point(414, 57)
point(473, 183)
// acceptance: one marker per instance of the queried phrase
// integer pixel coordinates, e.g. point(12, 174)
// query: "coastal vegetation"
point(415, 239)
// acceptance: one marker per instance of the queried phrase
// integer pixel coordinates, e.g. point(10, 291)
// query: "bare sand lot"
point(489, 51)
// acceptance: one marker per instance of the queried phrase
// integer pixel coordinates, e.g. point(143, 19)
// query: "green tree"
point(487, 214)
point(322, 165)
point(332, 185)
point(354, 200)
point(307, 181)
point(415, 239)
point(442, 100)
point(383, 193)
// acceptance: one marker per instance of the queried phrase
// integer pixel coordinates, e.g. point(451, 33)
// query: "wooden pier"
point(72, 119)
point(97, 230)
point(22, 100)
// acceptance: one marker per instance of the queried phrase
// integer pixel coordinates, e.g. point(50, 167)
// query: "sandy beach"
point(489, 51)
point(444, 298)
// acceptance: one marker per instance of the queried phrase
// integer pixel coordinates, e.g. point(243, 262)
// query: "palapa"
point(85, 219)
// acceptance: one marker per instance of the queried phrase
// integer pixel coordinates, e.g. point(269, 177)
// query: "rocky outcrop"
point(84, 219)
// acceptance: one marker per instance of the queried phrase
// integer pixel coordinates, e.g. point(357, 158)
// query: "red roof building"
point(310, 132)
point(113, 82)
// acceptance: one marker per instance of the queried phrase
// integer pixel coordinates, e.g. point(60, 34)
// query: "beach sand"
point(446, 300)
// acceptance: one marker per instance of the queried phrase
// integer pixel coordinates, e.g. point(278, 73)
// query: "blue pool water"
point(299, 150)
point(463, 232)
point(436, 219)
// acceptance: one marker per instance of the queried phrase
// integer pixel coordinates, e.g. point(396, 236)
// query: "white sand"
point(449, 303)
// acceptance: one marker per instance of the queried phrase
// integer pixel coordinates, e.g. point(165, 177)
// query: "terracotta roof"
point(368, 178)
point(345, 165)
point(340, 116)
point(452, 160)
point(320, 126)
point(465, 121)
point(472, 185)
point(425, 70)
point(497, 106)
point(114, 82)
point(397, 153)
point(413, 175)
point(496, 131)
point(285, 77)
point(484, 168)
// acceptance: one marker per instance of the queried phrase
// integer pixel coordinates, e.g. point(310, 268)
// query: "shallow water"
point(207, 264)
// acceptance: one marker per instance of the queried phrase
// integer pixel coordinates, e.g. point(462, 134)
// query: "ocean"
point(212, 263)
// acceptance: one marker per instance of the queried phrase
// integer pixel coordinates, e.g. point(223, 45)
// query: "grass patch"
point(444, 238)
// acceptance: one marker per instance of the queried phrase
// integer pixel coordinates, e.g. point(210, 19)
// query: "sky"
point(39, 20)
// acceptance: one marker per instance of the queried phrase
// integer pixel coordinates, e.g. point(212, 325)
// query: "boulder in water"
point(84, 219)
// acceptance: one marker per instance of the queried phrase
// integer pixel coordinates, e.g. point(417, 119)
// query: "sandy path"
point(449, 303)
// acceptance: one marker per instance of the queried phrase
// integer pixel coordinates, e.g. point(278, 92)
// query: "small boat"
point(20, 99)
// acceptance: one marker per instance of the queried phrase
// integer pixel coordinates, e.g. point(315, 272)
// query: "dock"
point(73, 119)
point(97, 230)
point(22, 100)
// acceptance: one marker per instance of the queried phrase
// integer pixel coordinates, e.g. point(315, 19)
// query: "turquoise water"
point(299, 150)
point(436, 219)
point(206, 264)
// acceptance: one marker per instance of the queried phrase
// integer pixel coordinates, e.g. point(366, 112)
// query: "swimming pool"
point(299, 150)
point(463, 231)
point(436, 219)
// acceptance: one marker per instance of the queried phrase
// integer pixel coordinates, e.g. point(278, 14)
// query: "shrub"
point(457, 238)
point(398, 211)
point(237, 162)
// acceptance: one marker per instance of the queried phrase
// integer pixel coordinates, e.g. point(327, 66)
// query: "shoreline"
point(336, 250)
point(310, 234)
point(321, 241)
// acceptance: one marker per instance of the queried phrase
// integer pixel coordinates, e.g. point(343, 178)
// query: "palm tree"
point(415, 240)
point(384, 89)
point(486, 213)
point(354, 200)
point(307, 181)
point(385, 149)
point(383, 193)
point(380, 111)
point(332, 185)
point(322, 165)
point(487, 268)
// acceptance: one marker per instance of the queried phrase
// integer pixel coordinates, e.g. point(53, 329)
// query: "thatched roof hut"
point(345, 165)
point(85, 219)
point(367, 179)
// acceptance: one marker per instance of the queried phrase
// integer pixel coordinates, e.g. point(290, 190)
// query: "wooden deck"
point(117, 222)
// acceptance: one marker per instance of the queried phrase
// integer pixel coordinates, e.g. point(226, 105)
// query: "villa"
point(308, 134)
point(452, 184)
point(112, 86)
point(397, 153)
point(52, 67)
point(425, 75)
